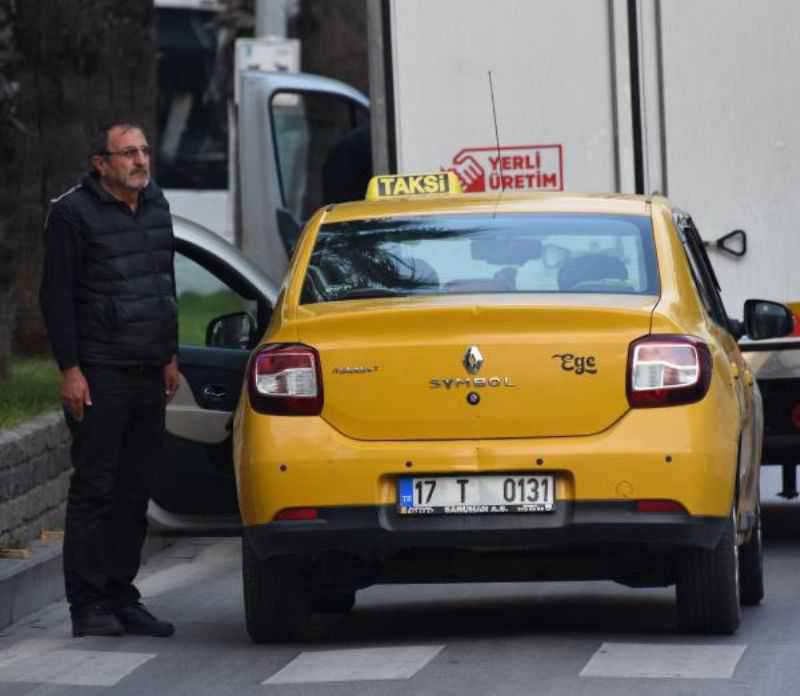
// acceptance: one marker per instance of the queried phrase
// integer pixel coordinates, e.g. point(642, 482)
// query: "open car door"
point(303, 142)
point(224, 305)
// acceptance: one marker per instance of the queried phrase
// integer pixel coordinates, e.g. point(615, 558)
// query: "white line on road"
point(664, 661)
point(27, 648)
point(356, 665)
point(72, 667)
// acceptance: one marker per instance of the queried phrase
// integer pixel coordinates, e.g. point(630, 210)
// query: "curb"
point(31, 584)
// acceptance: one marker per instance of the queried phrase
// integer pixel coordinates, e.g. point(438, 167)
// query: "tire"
point(277, 601)
point(751, 566)
point(708, 586)
point(341, 602)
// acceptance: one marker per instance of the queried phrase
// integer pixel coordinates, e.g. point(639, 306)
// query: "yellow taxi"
point(490, 388)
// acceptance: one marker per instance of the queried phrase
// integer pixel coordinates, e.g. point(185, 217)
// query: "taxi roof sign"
point(393, 185)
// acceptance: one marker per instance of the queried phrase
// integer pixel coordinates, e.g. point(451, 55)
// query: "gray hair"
point(99, 141)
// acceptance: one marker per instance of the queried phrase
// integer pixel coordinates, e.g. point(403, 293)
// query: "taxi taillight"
point(296, 515)
point(286, 380)
point(667, 370)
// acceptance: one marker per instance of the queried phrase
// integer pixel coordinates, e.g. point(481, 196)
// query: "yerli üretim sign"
point(510, 168)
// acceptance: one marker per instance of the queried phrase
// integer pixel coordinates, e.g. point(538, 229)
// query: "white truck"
point(693, 100)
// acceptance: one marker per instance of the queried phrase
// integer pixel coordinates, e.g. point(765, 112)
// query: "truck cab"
point(295, 131)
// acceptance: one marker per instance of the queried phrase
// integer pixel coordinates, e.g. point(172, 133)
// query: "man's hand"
point(75, 392)
point(171, 378)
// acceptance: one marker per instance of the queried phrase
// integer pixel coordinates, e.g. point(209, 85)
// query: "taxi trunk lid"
point(401, 372)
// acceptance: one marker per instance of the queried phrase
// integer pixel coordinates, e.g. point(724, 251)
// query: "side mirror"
point(765, 319)
point(237, 330)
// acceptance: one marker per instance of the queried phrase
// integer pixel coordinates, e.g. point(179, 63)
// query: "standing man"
point(108, 300)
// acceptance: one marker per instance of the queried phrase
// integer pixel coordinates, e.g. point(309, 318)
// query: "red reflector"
point(659, 506)
point(295, 514)
point(796, 416)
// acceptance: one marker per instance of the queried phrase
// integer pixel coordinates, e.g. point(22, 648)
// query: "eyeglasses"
point(129, 152)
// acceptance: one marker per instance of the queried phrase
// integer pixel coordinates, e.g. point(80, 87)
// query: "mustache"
point(139, 170)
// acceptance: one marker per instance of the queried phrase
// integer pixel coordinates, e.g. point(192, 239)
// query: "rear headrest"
point(421, 272)
point(590, 268)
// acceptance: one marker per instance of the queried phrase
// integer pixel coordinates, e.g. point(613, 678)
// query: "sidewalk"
point(30, 584)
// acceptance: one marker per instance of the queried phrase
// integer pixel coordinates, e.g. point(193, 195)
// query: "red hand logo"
point(471, 174)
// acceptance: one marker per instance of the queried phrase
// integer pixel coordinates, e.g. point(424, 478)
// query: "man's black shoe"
point(95, 620)
point(140, 622)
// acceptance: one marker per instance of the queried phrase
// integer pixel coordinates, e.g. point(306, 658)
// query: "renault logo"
point(473, 360)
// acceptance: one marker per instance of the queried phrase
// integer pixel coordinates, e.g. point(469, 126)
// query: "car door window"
point(322, 144)
point(202, 297)
point(704, 277)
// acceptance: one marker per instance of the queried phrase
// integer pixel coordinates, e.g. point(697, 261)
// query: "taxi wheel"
point(708, 586)
point(277, 601)
point(334, 602)
point(751, 566)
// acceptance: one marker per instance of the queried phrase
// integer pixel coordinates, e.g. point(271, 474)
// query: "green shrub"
point(33, 387)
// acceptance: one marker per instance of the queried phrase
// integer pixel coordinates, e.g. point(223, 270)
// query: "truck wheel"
point(751, 566)
point(708, 586)
point(340, 602)
point(277, 602)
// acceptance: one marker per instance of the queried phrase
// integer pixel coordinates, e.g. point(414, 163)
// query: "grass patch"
point(33, 384)
point(32, 387)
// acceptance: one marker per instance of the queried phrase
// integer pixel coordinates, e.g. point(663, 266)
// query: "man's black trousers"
point(114, 451)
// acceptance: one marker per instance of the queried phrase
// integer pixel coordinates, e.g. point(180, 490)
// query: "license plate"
point(475, 495)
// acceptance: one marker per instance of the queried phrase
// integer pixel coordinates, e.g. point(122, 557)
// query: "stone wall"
point(34, 478)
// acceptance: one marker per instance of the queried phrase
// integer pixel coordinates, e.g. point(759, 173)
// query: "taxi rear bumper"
point(679, 454)
point(380, 532)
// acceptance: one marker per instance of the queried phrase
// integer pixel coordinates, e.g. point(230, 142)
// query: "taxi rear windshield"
point(458, 254)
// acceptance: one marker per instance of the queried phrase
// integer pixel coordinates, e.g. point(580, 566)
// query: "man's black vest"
point(126, 311)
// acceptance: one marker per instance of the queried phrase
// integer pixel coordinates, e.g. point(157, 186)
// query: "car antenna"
point(497, 142)
point(496, 130)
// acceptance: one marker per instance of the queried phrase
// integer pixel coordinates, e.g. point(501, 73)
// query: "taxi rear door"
point(748, 397)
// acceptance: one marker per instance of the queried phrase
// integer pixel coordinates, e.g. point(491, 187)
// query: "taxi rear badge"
point(473, 360)
point(579, 364)
point(354, 370)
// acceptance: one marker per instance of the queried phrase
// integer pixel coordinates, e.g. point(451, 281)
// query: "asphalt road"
point(567, 639)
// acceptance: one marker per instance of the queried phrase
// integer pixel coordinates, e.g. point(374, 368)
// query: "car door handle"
point(214, 392)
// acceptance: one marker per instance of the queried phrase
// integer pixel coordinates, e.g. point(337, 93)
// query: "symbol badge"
point(473, 360)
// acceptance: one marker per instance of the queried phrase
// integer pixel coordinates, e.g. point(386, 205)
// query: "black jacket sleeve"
point(58, 293)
